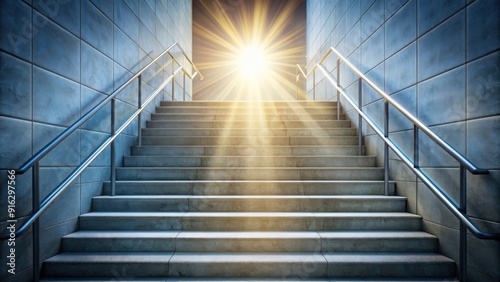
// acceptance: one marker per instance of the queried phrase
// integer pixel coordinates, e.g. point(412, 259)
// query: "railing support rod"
point(463, 228)
point(36, 223)
point(112, 191)
point(338, 92)
point(360, 118)
point(139, 105)
point(386, 148)
point(173, 80)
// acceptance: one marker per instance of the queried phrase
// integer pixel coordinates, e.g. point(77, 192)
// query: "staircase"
point(246, 191)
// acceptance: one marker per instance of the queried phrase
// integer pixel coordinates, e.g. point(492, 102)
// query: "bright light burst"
point(247, 50)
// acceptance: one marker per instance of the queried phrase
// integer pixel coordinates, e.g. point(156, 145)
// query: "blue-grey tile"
point(409, 190)
point(483, 28)
point(56, 49)
point(65, 13)
point(130, 93)
point(376, 75)
point(483, 142)
point(483, 86)
point(403, 140)
point(50, 238)
point(408, 100)
point(432, 154)
point(401, 29)
point(146, 41)
point(90, 141)
point(51, 177)
point(97, 28)
point(478, 249)
point(67, 153)
point(479, 205)
point(365, 4)
point(448, 238)
point(353, 14)
point(15, 87)
point(431, 13)
point(372, 19)
point(442, 48)
point(102, 119)
point(147, 16)
point(89, 190)
point(69, 202)
point(372, 51)
point(126, 20)
point(95, 174)
point(391, 6)
point(152, 4)
point(442, 98)
point(97, 70)
point(123, 112)
point(16, 141)
point(125, 51)
point(105, 6)
point(17, 28)
point(133, 5)
point(56, 99)
point(431, 209)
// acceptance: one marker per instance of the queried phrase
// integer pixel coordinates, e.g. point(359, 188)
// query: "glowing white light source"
point(252, 61)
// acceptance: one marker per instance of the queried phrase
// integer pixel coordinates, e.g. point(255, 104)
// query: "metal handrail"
point(458, 212)
point(33, 162)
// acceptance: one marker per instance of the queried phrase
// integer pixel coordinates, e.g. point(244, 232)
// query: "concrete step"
point(249, 173)
point(248, 110)
point(249, 221)
point(269, 116)
point(216, 187)
point(261, 132)
point(267, 203)
point(248, 124)
point(246, 150)
point(259, 104)
point(248, 140)
point(254, 279)
point(290, 241)
point(121, 264)
point(239, 161)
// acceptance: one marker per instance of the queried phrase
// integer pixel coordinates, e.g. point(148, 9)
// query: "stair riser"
point(249, 161)
point(395, 269)
point(237, 104)
point(252, 141)
point(249, 174)
point(248, 223)
point(269, 116)
point(197, 204)
point(106, 269)
point(246, 151)
point(247, 111)
point(250, 188)
point(249, 124)
point(277, 132)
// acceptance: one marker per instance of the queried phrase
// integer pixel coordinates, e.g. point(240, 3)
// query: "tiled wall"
point(440, 59)
point(59, 58)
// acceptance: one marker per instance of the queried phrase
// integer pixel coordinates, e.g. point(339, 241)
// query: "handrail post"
point(314, 84)
point(173, 80)
point(112, 191)
point(360, 118)
point(184, 86)
point(416, 147)
point(386, 148)
point(338, 84)
point(463, 228)
point(36, 223)
point(139, 105)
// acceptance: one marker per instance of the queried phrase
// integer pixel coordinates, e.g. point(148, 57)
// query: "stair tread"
point(251, 214)
point(250, 234)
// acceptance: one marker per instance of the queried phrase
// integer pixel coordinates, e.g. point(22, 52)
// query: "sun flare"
point(247, 49)
point(252, 61)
